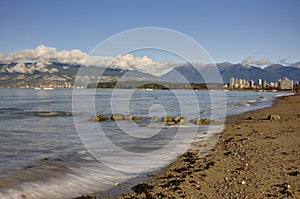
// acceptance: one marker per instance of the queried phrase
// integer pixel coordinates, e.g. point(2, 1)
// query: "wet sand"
point(254, 157)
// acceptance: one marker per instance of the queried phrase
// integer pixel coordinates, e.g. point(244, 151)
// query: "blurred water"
point(43, 157)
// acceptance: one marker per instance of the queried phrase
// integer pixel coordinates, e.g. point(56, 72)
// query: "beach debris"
point(273, 117)
point(99, 118)
point(116, 184)
point(243, 182)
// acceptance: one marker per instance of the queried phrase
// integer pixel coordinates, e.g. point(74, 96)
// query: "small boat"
point(37, 88)
point(48, 88)
point(149, 89)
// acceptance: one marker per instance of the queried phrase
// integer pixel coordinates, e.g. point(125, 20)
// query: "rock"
point(179, 120)
point(128, 117)
point(155, 118)
point(273, 117)
point(117, 117)
point(206, 121)
point(176, 120)
point(167, 118)
point(136, 118)
point(200, 121)
point(250, 118)
point(68, 114)
point(182, 120)
point(99, 118)
point(53, 113)
point(197, 121)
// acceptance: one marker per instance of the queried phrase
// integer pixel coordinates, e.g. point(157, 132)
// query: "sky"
point(229, 30)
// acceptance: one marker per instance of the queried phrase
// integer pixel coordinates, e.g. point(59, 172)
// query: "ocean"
point(64, 156)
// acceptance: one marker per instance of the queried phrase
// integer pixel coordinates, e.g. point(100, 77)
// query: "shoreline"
point(253, 158)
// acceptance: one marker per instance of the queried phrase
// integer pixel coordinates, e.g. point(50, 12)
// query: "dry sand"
point(254, 158)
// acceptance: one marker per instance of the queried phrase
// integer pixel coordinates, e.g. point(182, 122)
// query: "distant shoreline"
point(150, 89)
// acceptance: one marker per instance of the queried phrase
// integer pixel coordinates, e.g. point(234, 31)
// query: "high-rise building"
point(285, 84)
point(259, 82)
point(251, 84)
point(231, 83)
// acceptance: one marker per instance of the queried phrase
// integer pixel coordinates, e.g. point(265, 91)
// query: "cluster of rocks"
point(200, 121)
point(166, 119)
point(99, 118)
point(175, 120)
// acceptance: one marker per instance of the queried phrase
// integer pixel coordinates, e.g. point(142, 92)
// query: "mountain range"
point(271, 73)
point(32, 75)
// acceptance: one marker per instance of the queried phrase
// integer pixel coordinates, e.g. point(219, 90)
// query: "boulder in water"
point(128, 117)
point(53, 113)
point(199, 121)
point(99, 118)
point(182, 120)
point(179, 120)
point(117, 117)
point(136, 118)
point(167, 118)
point(155, 118)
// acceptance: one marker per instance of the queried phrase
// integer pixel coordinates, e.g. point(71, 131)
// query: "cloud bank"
point(39, 59)
point(252, 61)
point(42, 56)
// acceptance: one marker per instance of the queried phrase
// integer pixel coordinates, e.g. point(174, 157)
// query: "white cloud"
point(21, 68)
point(41, 56)
point(142, 64)
point(252, 61)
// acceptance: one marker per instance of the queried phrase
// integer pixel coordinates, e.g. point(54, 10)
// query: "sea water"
point(66, 156)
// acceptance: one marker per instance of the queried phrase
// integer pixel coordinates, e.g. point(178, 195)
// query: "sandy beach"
point(255, 157)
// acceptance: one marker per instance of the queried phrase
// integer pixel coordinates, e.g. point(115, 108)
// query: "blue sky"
point(230, 30)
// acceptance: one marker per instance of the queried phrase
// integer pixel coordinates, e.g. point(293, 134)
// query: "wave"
point(250, 102)
point(68, 185)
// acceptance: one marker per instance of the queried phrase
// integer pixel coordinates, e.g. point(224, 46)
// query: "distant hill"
point(57, 74)
point(32, 74)
point(270, 73)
